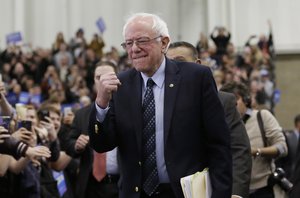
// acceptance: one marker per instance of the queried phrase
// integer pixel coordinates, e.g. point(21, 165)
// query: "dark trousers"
point(265, 192)
point(295, 192)
point(106, 188)
point(163, 191)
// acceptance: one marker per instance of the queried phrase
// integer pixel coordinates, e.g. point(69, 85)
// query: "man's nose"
point(135, 47)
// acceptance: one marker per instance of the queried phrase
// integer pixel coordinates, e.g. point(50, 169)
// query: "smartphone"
point(0, 77)
point(26, 124)
point(43, 114)
point(5, 121)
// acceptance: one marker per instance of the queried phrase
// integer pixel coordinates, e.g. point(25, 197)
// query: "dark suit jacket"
point(195, 131)
point(295, 179)
point(240, 146)
point(288, 163)
point(80, 126)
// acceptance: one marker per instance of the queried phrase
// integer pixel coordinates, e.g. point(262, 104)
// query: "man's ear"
point(165, 43)
point(198, 61)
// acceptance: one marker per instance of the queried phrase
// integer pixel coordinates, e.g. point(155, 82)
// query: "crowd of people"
point(52, 130)
point(253, 64)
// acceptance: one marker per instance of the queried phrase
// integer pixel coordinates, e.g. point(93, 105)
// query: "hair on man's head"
point(238, 89)
point(106, 63)
point(186, 45)
point(297, 119)
point(159, 25)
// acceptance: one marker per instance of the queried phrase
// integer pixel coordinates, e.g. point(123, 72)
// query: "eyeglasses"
point(139, 42)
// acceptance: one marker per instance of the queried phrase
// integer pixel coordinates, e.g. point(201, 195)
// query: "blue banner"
point(36, 99)
point(13, 38)
point(61, 183)
point(276, 96)
point(24, 97)
point(101, 25)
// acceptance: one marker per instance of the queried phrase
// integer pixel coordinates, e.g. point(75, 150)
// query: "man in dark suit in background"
point(240, 145)
point(77, 145)
point(165, 117)
point(294, 161)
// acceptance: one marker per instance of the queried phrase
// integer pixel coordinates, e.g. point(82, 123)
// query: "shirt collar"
point(158, 77)
point(296, 133)
point(248, 112)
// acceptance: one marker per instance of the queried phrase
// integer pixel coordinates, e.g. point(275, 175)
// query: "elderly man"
point(164, 116)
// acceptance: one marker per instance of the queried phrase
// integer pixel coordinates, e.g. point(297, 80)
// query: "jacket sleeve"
point(240, 147)
point(13, 147)
point(274, 133)
point(218, 138)
point(103, 136)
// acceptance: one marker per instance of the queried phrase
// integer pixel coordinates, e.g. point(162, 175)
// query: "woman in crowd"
point(263, 153)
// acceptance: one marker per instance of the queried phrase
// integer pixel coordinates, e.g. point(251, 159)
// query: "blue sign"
point(61, 183)
point(101, 25)
point(13, 38)
point(276, 96)
point(24, 97)
point(36, 99)
point(12, 98)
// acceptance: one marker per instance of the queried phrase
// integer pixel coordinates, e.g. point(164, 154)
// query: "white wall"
point(251, 18)
point(40, 20)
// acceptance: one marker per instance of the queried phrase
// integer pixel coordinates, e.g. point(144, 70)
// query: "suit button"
point(136, 189)
point(140, 163)
point(96, 128)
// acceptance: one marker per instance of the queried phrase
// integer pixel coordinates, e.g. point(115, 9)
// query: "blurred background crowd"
point(65, 71)
point(46, 86)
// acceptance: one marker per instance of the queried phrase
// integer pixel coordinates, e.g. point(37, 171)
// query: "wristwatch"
point(258, 152)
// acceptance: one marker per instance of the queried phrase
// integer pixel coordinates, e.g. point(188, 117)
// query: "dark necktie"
point(150, 174)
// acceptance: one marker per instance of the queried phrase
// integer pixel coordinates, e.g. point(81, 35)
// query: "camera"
point(25, 123)
point(5, 121)
point(43, 114)
point(278, 177)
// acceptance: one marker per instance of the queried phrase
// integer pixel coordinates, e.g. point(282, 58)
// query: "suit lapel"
point(172, 79)
point(136, 106)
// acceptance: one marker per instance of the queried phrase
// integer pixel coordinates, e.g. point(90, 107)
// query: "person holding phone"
point(21, 142)
point(16, 148)
point(77, 145)
point(5, 108)
point(17, 160)
point(49, 128)
point(23, 127)
point(267, 142)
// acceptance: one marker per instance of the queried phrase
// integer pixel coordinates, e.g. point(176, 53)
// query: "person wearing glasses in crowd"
point(18, 152)
point(164, 116)
point(89, 184)
point(240, 145)
point(266, 145)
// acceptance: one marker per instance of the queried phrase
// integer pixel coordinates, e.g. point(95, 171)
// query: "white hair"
point(159, 25)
